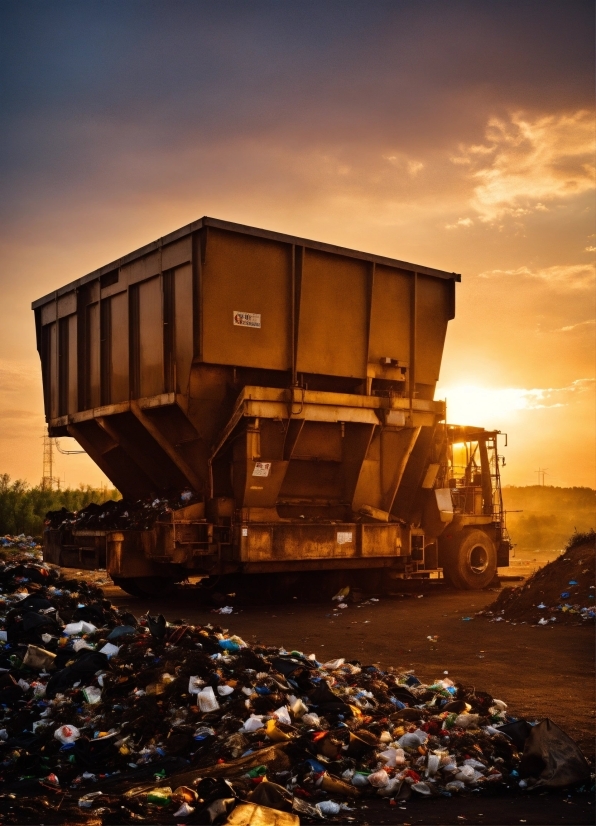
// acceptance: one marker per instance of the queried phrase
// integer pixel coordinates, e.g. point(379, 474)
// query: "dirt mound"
point(562, 592)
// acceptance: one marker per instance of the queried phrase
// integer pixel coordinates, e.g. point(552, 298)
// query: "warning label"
point(343, 537)
point(247, 319)
point(262, 469)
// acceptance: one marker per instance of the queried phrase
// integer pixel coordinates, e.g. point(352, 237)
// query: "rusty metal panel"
point(52, 349)
point(173, 255)
point(67, 304)
point(48, 313)
point(320, 441)
point(256, 543)
point(246, 300)
point(390, 321)
point(67, 365)
point(333, 325)
point(141, 269)
point(119, 357)
point(92, 330)
point(433, 312)
point(343, 542)
point(73, 377)
point(312, 481)
point(279, 542)
point(183, 326)
point(256, 484)
point(128, 553)
point(381, 540)
point(150, 333)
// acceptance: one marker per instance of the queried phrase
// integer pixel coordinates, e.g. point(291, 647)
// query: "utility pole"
point(48, 480)
point(541, 473)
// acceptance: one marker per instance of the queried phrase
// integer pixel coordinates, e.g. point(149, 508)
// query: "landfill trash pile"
point(19, 543)
point(110, 719)
point(120, 514)
point(561, 592)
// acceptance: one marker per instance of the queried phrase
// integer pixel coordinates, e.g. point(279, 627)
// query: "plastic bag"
point(552, 757)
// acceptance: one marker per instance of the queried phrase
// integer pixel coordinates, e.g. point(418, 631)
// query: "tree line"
point(23, 508)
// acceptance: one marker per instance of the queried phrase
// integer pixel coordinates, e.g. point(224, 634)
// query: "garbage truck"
point(287, 386)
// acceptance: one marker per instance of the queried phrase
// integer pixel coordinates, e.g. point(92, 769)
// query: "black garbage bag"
point(553, 757)
point(95, 754)
point(34, 573)
point(402, 694)
point(10, 690)
point(25, 740)
point(272, 795)
point(33, 603)
point(88, 664)
point(326, 702)
point(30, 628)
point(90, 613)
point(126, 618)
point(54, 519)
point(214, 788)
point(287, 665)
point(157, 626)
point(518, 732)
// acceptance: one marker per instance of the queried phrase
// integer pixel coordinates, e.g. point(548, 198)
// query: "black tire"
point(470, 560)
point(145, 586)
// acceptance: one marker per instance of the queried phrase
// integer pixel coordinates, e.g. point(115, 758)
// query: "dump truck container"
point(288, 384)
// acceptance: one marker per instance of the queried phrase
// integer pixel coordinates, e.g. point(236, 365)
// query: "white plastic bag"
point(328, 808)
point(413, 739)
point(467, 720)
point(109, 650)
point(254, 722)
point(378, 779)
point(80, 627)
point(67, 734)
point(207, 700)
point(92, 695)
point(195, 685)
point(432, 765)
point(333, 664)
point(283, 715)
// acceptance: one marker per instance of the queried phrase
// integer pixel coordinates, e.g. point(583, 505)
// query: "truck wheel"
point(470, 560)
point(145, 586)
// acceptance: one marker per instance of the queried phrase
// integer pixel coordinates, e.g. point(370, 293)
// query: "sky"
point(456, 135)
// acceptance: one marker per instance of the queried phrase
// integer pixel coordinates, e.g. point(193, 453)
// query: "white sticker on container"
point(343, 537)
point(262, 469)
point(244, 531)
point(247, 319)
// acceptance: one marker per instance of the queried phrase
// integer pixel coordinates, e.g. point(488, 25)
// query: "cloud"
point(589, 323)
point(527, 164)
point(566, 276)
point(463, 222)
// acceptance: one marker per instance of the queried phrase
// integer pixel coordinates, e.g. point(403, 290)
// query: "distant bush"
point(581, 538)
point(22, 508)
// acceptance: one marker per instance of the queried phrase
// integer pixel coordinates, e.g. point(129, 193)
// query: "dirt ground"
point(538, 671)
